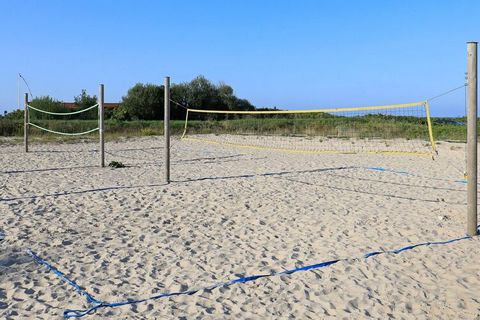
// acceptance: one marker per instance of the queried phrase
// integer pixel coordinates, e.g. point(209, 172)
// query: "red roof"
point(106, 105)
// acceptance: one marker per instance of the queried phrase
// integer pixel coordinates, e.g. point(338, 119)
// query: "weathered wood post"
point(472, 139)
point(166, 129)
point(101, 126)
point(25, 123)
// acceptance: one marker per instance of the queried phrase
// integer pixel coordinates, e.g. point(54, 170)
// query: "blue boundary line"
point(405, 173)
point(389, 170)
point(98, 304)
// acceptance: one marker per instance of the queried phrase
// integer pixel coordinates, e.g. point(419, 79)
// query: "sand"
point(122, 233)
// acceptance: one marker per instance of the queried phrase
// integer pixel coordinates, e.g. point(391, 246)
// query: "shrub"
point(116, 164)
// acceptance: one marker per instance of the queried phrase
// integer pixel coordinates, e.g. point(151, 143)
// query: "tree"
point(143, 101)
point(14, 115)
point(45, 103)
point(179, 93)
point(200, 93)
point(231, 101)
point(84, 101)
point(203, 94)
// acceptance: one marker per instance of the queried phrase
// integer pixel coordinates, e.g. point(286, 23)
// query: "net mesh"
point(402, 128)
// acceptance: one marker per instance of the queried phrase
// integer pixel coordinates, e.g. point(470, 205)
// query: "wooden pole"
point(101, 122)
point(472, 139)
point(166, 129)
point(25, 123)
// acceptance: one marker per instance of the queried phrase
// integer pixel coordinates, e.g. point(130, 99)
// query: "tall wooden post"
point(472, 139)
point(25, 123)
point(101, 99)
point(166, 129)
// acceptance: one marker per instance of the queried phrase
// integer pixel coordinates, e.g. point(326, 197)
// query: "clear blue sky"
point(288, 54)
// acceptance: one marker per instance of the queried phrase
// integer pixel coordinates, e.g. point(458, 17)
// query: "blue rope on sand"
point(63, 277)
point(98, 304)
point(405, 173)
point(389, 170)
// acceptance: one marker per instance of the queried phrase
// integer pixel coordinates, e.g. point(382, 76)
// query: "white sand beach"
point(228, 213)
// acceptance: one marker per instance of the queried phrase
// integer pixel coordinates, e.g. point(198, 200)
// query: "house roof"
point(106, 105)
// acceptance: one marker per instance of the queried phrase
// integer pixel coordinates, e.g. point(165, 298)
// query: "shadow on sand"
point(280, 175)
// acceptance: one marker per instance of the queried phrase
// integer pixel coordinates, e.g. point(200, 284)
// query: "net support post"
point(166, 129)
point(472, 91)
point(25, 123)
point(430, 131)
point(101, 123)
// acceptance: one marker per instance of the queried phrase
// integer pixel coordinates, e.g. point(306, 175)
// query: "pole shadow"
point(46, 170)
point(370, 193)
point(279, 175)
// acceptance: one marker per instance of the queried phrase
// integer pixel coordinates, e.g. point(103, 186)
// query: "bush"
point(45, 103)
point(84, 101)
point(142, 102)
point(14, 115)
point(148, 132)
point(116, 164)
point(11, 127)
point(146, 101)
point(200, 93)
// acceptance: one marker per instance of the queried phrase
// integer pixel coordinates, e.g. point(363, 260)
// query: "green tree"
point(178, 93)
point(14, 115)
point(145, 101)
point(84, 101)
point(200, 93)
point(142, 102)
point(203, 94)
point(231, 101)
point(45, 103)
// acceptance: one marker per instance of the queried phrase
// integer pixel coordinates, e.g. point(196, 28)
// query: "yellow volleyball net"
point(399, 128)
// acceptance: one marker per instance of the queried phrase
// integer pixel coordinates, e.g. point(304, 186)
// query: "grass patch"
point(383, 127)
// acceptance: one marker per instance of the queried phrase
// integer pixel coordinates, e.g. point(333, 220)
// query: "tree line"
point(146, 102)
